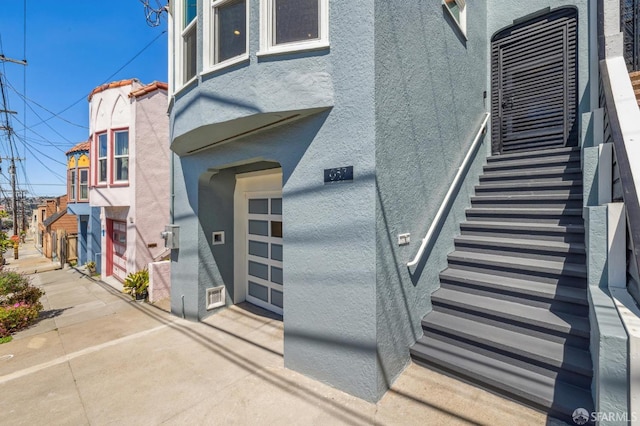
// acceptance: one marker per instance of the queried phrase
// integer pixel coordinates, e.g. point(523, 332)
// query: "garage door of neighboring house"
point(534, 96)
point(259, 237)
point(119, 249)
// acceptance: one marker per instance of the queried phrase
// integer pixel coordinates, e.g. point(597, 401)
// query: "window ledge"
point(225, 64)
point(183, 88)
point(293, 48)
point(119, 184)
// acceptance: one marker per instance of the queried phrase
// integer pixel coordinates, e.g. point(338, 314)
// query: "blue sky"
point(72, 46)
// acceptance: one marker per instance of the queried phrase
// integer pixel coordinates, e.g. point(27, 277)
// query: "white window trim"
point(105, 159)
point(267, 31)
point(462, 23)
point(209, 41)
point(116, 157)
point(79, 197)
point(73, 179)
point(178, 45)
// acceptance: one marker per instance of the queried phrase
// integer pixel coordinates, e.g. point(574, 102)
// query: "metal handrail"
point(447, 198)
point(629, 190)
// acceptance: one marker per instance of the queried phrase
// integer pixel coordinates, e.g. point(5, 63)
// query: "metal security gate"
point(534, 96)
point(630, 26)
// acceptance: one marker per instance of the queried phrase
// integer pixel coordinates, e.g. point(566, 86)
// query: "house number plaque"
point(338, 174)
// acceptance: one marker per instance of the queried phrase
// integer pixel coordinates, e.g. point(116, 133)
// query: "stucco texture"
point(399, 95)
point(329, 230)
point(430, 81)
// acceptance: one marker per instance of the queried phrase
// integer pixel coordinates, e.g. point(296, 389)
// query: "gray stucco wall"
point(403, 92)
point(329, 230)
point(429, 104)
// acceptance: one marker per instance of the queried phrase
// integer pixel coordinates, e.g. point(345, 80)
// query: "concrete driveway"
point(99, 358)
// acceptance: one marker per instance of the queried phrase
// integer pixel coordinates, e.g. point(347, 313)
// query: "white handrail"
point(447, 197)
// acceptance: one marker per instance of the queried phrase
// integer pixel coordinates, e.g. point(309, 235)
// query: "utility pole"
point(9, 130)
point(23, 199)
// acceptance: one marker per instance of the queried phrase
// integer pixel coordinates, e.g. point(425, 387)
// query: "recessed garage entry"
point(258, 237)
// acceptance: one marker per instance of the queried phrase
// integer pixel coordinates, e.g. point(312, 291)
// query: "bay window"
point(289, 25)
point(187, 42)
point(226, 40)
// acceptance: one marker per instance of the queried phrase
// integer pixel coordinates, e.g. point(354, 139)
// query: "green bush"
point(19, 303)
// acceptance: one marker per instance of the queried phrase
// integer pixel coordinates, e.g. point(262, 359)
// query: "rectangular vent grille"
point(215, 297)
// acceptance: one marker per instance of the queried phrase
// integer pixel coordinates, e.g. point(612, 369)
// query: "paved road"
point(99, 358)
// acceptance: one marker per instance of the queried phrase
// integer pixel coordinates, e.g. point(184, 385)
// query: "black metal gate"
point(630, 27)
point(534, 96)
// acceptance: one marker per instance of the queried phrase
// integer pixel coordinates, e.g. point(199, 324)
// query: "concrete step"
point(564, 160)
point(533, 249)
point(477, 307)
point(516, 265)
point(542, 352)
point(524, 289)
point(502, 291)
point(532, 187)
point(521, 230)
point(550, 173)
point(560, 216)
point(529, 145)
point(558, 398)
point(528, 200)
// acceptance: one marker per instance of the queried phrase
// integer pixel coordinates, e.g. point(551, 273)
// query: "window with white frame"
point(289, 25)
point(227, 40)
point(121, 156)
point(102, 158)
point(189, 34)
point(72, 184)
point(458, 11)
point(84, 185)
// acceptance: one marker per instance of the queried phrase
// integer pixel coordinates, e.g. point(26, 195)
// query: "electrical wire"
point(54, 115)
point(69, 145)
point(108, 78)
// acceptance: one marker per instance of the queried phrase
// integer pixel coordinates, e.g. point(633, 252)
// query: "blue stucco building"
point(315, 144)
point(78, 161)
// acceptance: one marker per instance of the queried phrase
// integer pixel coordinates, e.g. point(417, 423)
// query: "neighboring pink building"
point(130, 174)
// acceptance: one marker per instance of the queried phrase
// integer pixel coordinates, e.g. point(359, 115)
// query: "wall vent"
point(215, 297)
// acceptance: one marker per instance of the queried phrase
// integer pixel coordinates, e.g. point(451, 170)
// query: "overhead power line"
point(105, 80)
point(54, 115)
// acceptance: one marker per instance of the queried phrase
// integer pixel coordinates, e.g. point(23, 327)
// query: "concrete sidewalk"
point(30, 260)
point(97, 357)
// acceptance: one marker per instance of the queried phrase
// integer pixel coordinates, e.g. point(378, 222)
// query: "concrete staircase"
point(511, 313)
point(635, 82)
